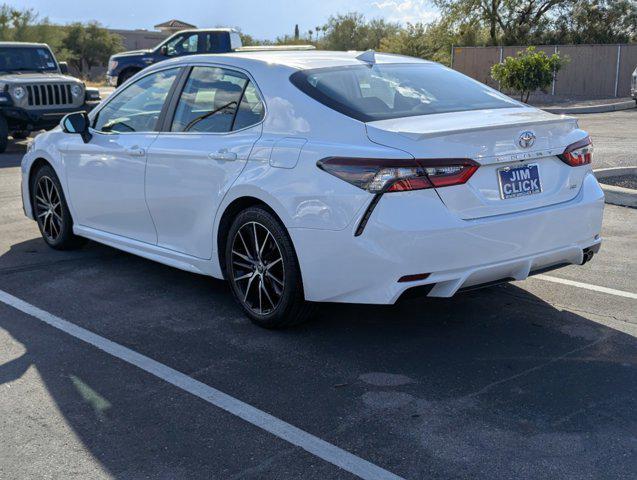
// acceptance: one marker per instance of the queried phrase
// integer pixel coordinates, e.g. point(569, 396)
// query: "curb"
point(607, 107)
point(625, 197)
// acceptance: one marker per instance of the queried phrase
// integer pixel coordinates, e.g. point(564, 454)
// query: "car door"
point(216, 120)
point(105, 177)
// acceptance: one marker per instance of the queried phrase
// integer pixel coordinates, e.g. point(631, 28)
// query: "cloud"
point(406, 11)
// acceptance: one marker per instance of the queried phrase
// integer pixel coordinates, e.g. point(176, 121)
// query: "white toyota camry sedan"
point(315, 176)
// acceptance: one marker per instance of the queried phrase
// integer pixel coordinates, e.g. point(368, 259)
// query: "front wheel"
point(52, 212)
point(263, 270)
point(125, 75)
point(20, 134)
point(4, 134)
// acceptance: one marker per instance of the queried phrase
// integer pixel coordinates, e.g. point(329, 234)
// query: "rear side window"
point(216, 100)
point(212, 43)
point(385, 91)
point(251, 109)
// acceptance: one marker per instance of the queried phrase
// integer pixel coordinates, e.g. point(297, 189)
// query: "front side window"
point(137, 108)
point(214, 100)
point(182, 45)
point(385, 91)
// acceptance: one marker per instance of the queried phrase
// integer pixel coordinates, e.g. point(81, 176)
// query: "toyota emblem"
point(527, 139)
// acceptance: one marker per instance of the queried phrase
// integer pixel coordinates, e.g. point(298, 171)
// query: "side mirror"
point(77, 122)
point(163, 50)
point(64, 67)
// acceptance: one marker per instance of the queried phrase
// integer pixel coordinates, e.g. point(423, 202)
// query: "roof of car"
point(300, 59)
point(214, 29)
point(23, 44)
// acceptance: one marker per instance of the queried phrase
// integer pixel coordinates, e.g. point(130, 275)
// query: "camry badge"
point(527, 139)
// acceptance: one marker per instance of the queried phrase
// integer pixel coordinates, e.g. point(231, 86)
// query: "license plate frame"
point(534, 174)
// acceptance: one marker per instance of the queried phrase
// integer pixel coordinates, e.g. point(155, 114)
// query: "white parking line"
point(308, 442)
point(587, 286)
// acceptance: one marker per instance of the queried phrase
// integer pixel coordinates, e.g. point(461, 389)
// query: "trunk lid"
point(492, 138)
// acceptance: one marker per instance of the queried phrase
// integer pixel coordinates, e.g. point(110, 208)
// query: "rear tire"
point(263, 270)
point(52, 212)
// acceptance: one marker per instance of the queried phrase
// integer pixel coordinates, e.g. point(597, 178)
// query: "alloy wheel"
point(48, 207)
point(258, 270)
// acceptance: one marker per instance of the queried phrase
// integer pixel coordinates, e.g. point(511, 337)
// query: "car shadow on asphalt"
point(12, 157)
point(494, 383)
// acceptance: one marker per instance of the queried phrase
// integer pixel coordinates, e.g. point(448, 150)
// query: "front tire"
point(125, 75)
point(52, 212)
point(20, 134)
point(4, 134)
point(263, 270)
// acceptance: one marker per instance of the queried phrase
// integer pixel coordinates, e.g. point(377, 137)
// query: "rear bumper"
point(413, 232)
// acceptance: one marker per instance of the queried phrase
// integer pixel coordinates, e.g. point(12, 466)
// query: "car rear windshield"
point(23, 59)
point(385, 91)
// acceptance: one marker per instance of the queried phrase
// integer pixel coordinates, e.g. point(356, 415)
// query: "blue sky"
point(261, 18)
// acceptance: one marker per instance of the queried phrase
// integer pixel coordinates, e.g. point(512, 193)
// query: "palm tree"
point(317, 30)
point(310, 32)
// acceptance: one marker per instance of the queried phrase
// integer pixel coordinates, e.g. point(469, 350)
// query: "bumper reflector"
point(413, 278)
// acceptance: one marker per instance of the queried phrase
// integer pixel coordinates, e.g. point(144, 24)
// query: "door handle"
point(136, 152)
point(224, 155)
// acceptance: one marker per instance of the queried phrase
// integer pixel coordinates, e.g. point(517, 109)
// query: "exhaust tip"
point(587, 256)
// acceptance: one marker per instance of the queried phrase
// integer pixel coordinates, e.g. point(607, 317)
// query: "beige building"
point(143, 39)
point(172, 26)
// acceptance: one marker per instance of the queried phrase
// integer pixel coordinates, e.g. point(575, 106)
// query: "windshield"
point(20, 59)
point(385, 91)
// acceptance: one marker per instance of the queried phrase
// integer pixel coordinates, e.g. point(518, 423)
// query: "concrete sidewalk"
point(590, 106)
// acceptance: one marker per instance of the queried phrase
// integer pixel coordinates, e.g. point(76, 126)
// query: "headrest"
point(225, 93)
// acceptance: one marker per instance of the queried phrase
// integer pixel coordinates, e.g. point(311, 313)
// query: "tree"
point(352, 32)
point(15, 24)
point(596, 21)
point(527, 72)
point(510, 22)
point(90, 45)
point(25, 26)
point(431, 41)
point(296, 32)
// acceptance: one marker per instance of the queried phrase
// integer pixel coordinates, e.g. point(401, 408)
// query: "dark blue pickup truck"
point(124, 65)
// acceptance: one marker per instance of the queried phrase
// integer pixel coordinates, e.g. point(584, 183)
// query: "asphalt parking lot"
point(534, 379)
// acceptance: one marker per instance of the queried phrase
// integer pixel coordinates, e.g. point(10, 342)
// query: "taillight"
point(578, 153)
point(387, 175)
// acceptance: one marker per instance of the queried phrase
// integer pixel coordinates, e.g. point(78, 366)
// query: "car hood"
point(132, 53)
point(34, 77)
